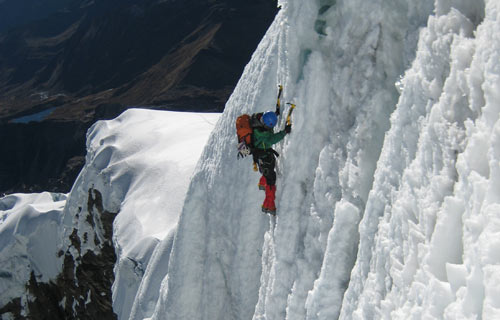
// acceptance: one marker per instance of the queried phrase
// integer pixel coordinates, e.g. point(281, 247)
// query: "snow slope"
point(141, 163)
point(387, 187)
point(30, 225)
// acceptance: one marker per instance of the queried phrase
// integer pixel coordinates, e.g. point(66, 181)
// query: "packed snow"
point(141, 163)
point(388, 185)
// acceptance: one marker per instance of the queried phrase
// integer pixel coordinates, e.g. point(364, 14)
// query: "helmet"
point(269, 119)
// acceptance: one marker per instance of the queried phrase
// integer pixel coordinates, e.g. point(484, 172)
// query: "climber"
point(256, 137)
point(264, 155)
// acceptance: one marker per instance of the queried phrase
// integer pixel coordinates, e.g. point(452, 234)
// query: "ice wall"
point(427, 238)
point(338, 62)
point(387, 187)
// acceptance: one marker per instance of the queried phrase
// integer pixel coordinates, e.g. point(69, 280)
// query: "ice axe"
point(278, 103)
point(289, 116)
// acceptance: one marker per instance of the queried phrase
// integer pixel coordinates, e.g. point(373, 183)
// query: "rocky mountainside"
point(80, 61)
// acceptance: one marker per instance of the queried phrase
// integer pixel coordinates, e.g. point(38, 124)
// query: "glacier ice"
point(383, 192)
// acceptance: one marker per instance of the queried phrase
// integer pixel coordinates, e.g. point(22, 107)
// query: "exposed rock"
point(14, 307)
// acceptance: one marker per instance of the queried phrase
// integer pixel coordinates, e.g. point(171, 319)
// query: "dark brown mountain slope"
point(137, 54)
point(94, 59)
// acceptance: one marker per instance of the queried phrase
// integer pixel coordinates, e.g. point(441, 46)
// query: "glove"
point(288, 128)
point(243, 150)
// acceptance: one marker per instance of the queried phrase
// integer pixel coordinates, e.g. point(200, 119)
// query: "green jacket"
point(264, 139)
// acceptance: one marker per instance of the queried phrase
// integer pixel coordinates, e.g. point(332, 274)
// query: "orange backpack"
point(244, 129)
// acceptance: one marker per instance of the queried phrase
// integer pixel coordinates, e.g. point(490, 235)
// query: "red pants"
point(268, 204)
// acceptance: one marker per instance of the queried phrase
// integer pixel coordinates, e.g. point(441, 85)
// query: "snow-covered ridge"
point(141, 163)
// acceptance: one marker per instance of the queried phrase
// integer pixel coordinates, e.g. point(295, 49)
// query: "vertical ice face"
point(338, 61)
point(386, 191)
point(427, 218)
point(348, 56)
